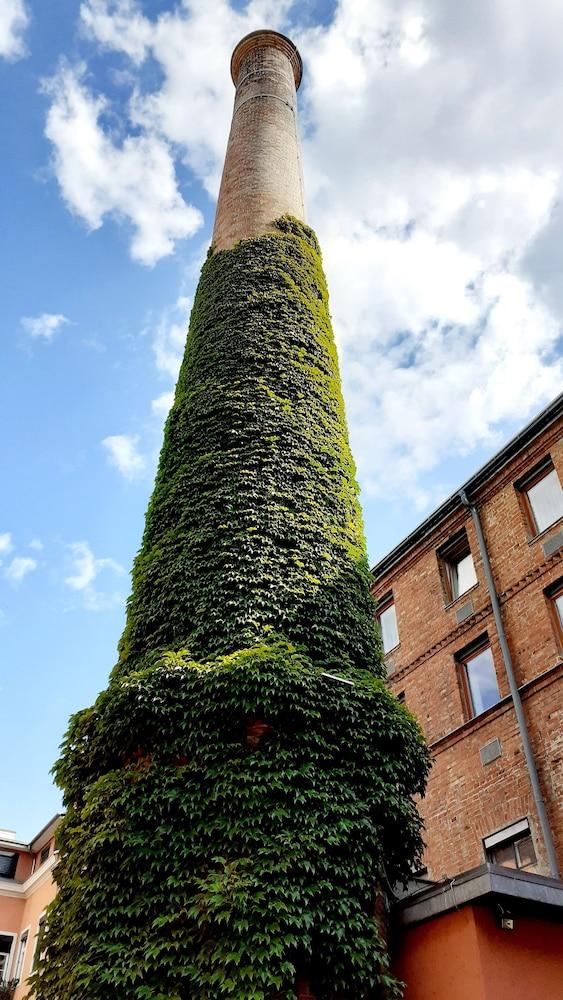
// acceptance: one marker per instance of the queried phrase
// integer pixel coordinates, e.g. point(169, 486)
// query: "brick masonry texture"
point(262, 177)
point(467, 800)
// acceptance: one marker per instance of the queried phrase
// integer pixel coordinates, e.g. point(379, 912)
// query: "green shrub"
point(196, 861)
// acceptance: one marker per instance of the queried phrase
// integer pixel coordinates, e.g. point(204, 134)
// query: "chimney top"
point(266, 39)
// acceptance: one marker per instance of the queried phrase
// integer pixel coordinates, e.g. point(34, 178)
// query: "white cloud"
point(36, 544)
point(19, 567)
point(118, 25)
point(131, 179)
point(443, 332)
point(433, 174)
point(85, 570)
point(6, 544)
point(14, 19)
point(168, 346)
point(43, 327)
point(192, 108)
point(170, 338)
point(123, 454)
point(161, 405)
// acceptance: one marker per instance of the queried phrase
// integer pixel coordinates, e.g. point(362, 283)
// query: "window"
point(543, 497)
point(36, 953)
point(21, 955)
point(479, 679)
point(8, 864)
point(45, 854)
point(512, 847)
point(387, 618)
point(6, 941)
point(458, 570)
point(554, 595)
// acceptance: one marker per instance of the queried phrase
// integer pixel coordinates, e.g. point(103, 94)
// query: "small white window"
point(387, 618)
point(36, 953)
point(543, 497)
point(21, 955)
point(479, 678)
point(6, 943)
point(458, 568)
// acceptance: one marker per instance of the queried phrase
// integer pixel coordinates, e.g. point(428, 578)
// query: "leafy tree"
point(243, 788)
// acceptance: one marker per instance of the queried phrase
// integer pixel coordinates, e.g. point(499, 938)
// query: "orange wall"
point(523, 964)
point(439, 959)
point(11, 910)
point(464, 955)
point(34, 907)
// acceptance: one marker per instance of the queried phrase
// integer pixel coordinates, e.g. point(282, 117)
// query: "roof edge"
point(488, 881)
point(512, 448)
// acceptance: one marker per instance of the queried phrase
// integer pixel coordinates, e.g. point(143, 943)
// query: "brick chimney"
point(262, 177)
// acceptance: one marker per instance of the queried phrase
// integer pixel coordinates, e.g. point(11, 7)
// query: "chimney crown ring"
point(266, 39)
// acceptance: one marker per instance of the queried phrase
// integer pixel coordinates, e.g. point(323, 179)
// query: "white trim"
point(22, 890)
point(11, 955)
point(15, 975)
point(36, 942)
point(507, 833)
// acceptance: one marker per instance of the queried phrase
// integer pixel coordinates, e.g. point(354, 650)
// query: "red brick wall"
point(262, 177)
point(466, 800)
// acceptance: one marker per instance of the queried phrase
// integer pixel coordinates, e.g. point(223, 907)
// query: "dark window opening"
point(8, 864)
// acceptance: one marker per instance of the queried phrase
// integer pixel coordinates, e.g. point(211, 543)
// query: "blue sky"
point(432, 168)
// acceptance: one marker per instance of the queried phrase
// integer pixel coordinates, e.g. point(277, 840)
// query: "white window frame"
point(385, 604)
point(11, 954)
point(35, 956)
point(19, 974)
point(507, 833)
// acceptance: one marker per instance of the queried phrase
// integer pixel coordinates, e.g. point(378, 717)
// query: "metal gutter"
point(495, 464)
point(512, 683)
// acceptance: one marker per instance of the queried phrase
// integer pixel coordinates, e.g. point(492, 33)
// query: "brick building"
point(470, 606)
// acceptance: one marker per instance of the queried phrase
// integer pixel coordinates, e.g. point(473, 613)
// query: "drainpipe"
point(516, 699)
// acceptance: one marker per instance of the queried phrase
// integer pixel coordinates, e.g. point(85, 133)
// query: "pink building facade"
point(26, 889)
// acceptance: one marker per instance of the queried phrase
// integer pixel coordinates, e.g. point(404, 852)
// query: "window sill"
point(475, 722)
point(541, 534)
point(470, 590)
point(390, 652)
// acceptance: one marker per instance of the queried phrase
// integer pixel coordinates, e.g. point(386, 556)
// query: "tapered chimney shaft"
point(262, 178)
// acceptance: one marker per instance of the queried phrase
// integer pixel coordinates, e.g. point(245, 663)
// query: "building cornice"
point(23, 890)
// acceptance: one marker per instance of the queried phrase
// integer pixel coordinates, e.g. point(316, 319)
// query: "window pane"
point(463, 576)
point(504, 855)
point(21, 956)
point(5, 949)
point(8, 863)
point(559, 606)
point(388, 625)
point(546, 500)
point(525, 852)
point(482, 681)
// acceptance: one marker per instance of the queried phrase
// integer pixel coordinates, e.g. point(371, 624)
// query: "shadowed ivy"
point(197, 859)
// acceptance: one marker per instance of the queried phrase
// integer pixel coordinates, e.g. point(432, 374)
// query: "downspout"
point(516, 699)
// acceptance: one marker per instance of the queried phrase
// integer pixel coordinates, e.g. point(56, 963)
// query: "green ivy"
point(254, 522)
point(198, 863)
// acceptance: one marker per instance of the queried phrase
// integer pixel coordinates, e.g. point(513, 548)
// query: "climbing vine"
point(240, 793)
